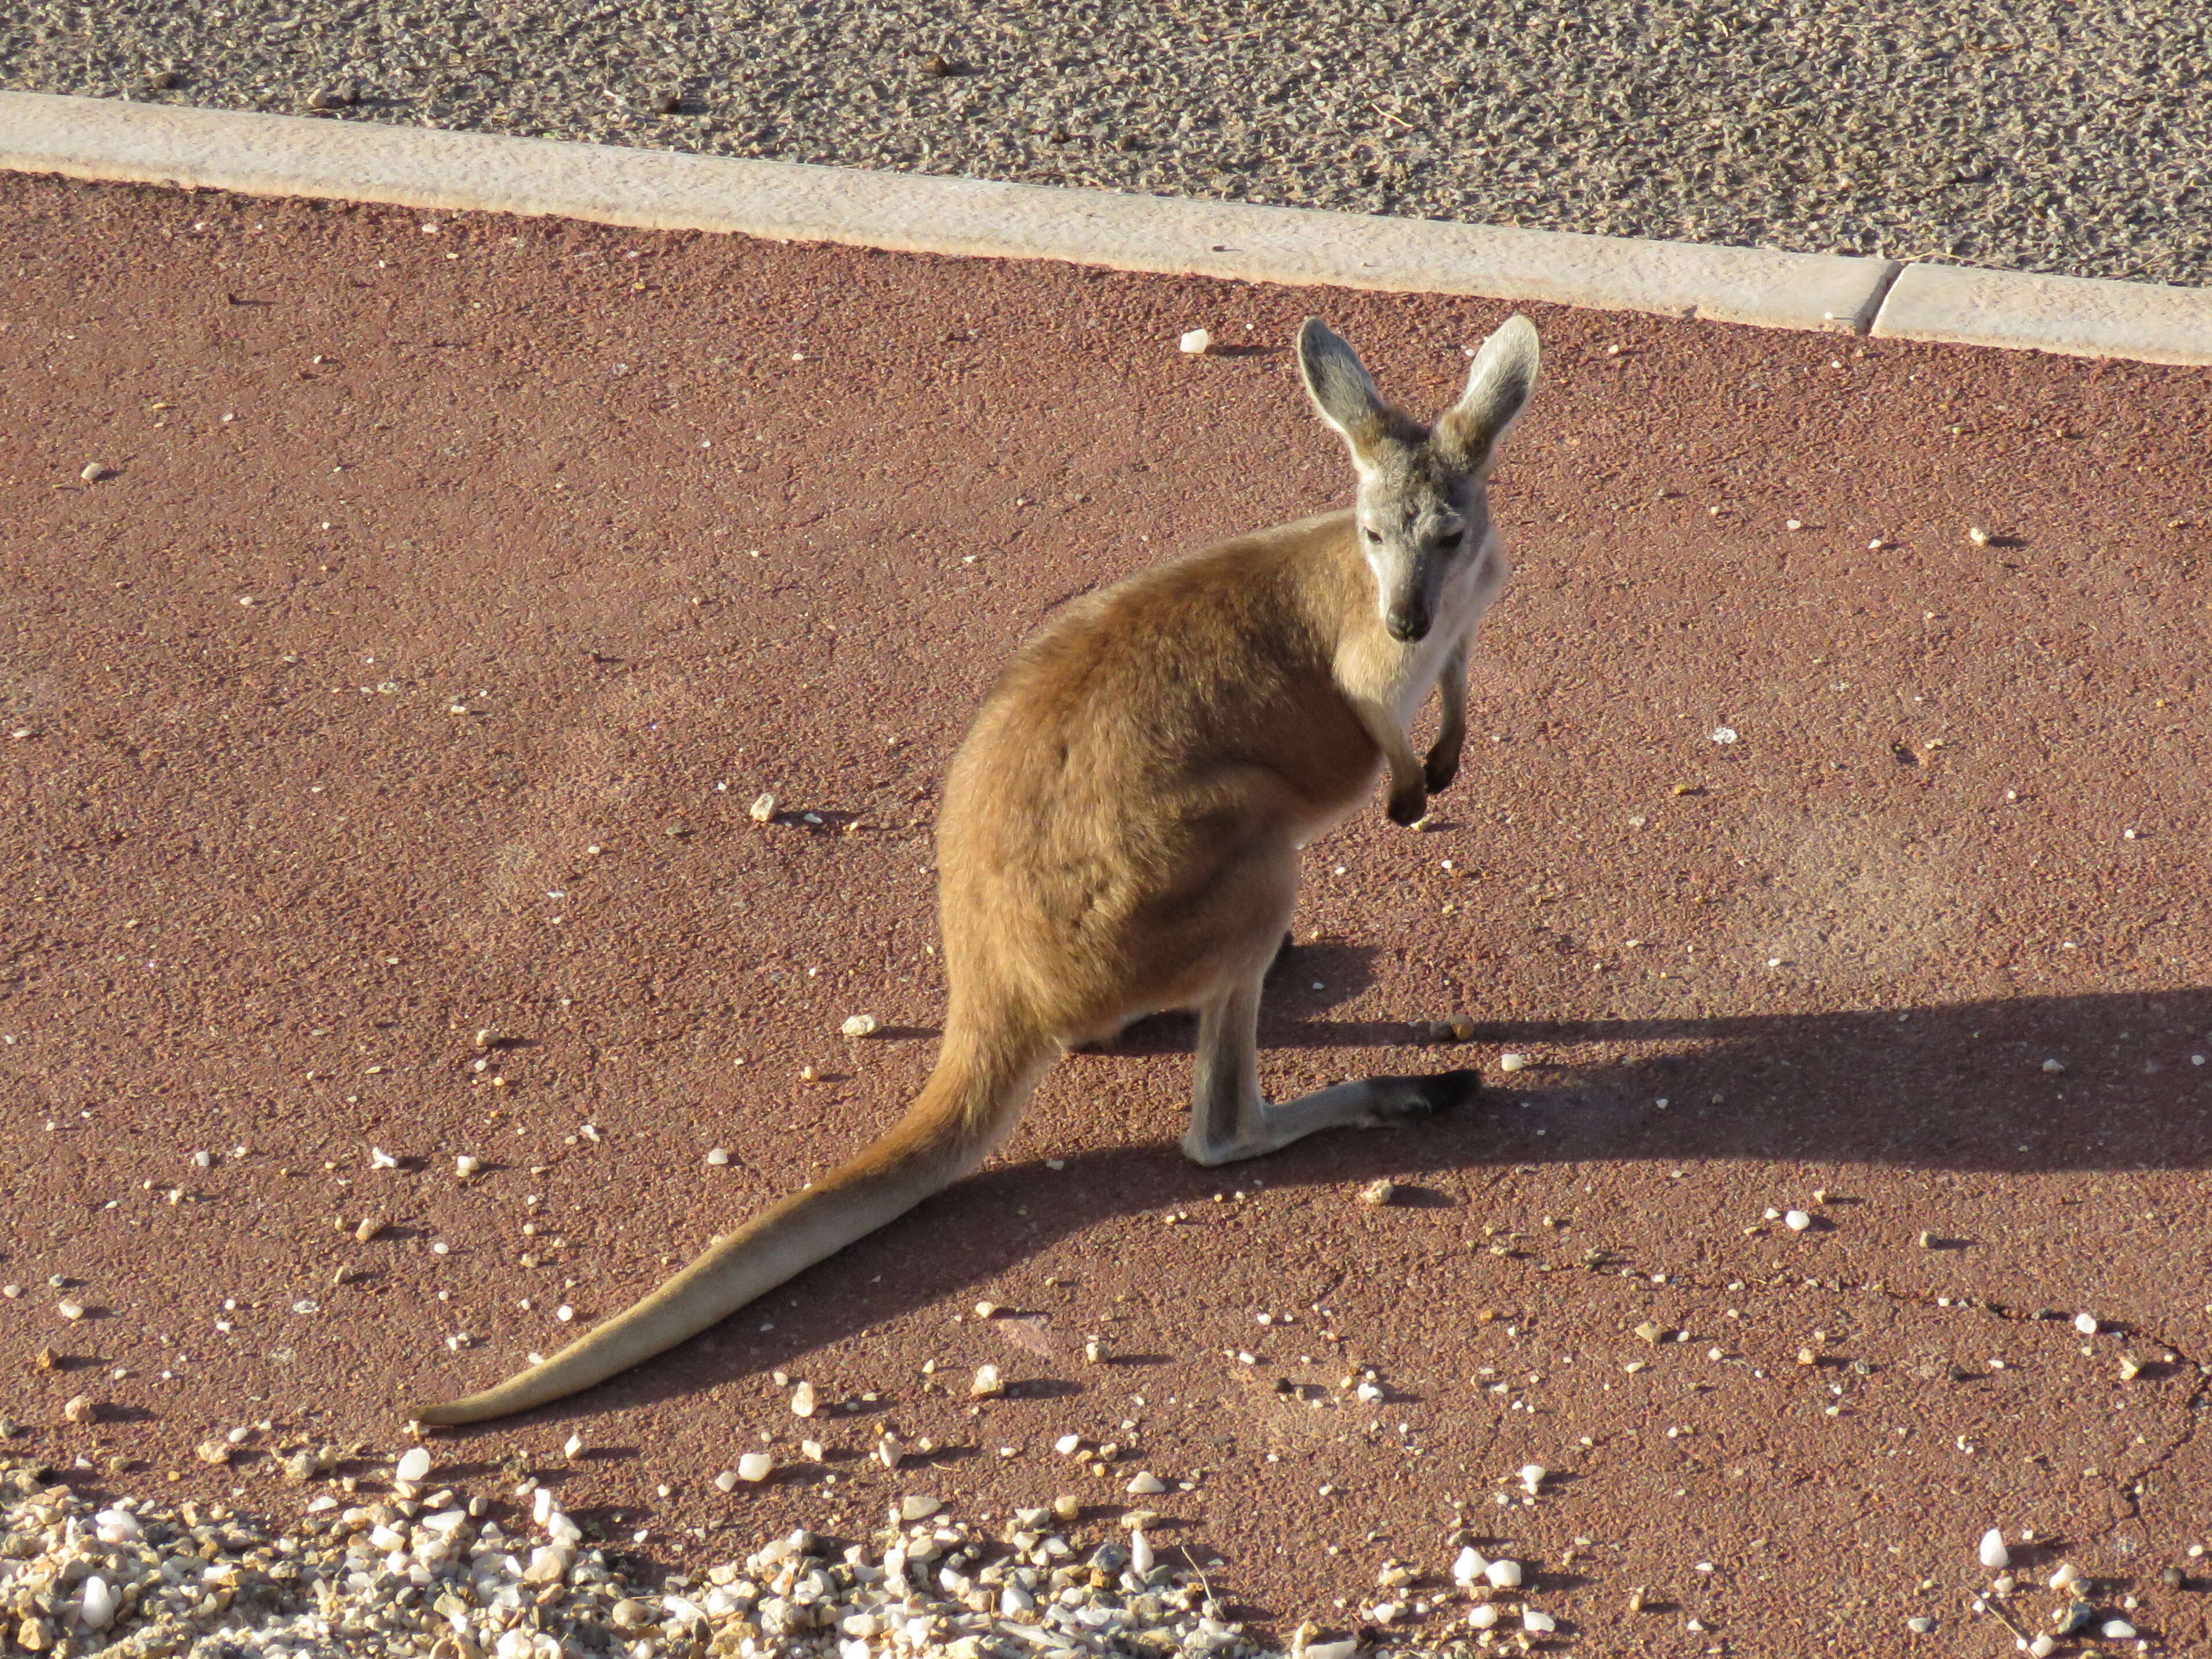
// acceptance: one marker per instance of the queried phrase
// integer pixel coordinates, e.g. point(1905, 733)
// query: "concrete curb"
point(113, 140)
point(2079, 316)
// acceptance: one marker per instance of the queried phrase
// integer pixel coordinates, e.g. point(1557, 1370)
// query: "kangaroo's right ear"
point(1344, 392)
point(1497, 386)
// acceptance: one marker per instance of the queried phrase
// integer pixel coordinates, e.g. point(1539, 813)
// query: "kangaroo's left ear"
point(1345, 394)
point(1498, 385)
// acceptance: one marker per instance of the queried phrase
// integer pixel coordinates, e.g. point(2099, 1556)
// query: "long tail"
point(980, 1083)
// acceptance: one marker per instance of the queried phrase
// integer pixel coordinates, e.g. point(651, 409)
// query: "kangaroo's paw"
point(1408, 1099)
point(1440, 768)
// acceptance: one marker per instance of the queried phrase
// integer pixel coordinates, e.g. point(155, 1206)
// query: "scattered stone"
point(2130, 1368)
point(1146, 1484)
point(1379, 1193)
point(2116, 1630)
point(1503, 1575)
point(2086, 1323)
point(94, 471)
point(1540, 1624)
point(1979, 536)
point(917, 1506)
point(1920, 1625)
point(803, 1402)
point(1797, 1220)
point(413, 1467)
point(763, 810)
point(1993, 1553)
point(988, 1384)
point(718, 1157)
point(80, 1408)
point(1196, 342)
point(71, 1310)
point(1512, 1062)
point(755, 1466)
point(860, 1025)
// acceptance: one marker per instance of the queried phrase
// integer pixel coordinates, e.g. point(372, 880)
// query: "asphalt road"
point(2033, 135)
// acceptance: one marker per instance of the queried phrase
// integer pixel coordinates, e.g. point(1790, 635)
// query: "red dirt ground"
point(676, 519)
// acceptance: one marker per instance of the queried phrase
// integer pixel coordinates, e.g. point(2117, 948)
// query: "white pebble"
point(69, 1309)
point(2042, 1648)
point(1979, 536)
point(1146, 1484)
point(1482, 1617)
point(2086, 1323)
point(1512, 1062)
point(2116, 1630)
point(2067, 1574)
point(1140, 1551)
point(380, 1159)
point(762, 809)
point(1541, 1622)
point(726, 1481)
point(574, 1444)
point(756, 1466)
point(802, 1401)
point(2054, 1065)
point(1993, 1552)
point(717, 1155)
point(1343, 1650)
point(98, 1605)
point(413, 1467)
point(1469, 1566)
point(1196, 341)
point(465, 1167)
point(1797, 1220)
point(988, 1385)
point(1724, 734)
point(860, 1025)
point(1503, 1575)
point(917, 1506)
point(1532, 1476)
point(1068, 1444)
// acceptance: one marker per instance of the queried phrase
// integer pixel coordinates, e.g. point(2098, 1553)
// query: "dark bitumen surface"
point(726, 513)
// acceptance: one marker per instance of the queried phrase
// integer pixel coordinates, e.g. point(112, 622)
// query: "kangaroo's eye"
point(1370, 532)
point(1452, 538)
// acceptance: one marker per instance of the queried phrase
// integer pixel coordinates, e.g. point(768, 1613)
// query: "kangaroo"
point(1122, 828)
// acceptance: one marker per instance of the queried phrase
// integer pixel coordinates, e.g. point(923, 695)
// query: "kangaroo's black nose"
point(1407, 623)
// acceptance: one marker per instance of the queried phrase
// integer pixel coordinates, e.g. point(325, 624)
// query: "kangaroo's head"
point(1420, 513)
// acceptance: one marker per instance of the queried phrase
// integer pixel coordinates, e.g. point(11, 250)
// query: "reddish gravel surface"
point(453, 595)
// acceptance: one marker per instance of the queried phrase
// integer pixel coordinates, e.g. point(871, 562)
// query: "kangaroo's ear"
point(1343, 392)
point(1504, 375)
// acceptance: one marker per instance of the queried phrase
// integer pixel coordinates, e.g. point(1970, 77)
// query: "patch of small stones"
point(438, 1573)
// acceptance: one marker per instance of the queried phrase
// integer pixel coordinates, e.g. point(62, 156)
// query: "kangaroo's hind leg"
point(1229, 1118)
